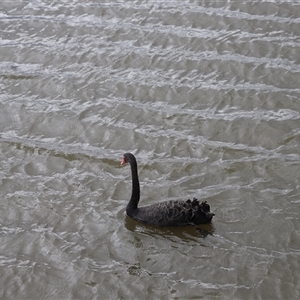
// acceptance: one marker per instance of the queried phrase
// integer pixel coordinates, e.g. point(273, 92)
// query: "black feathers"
point(167, 213)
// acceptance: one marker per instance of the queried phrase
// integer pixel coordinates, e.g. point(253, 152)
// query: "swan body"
point(167, 213)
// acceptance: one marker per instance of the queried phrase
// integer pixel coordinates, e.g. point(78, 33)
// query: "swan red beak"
point(123, 162)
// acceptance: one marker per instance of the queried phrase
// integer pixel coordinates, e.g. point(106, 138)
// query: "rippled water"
point(206, 94)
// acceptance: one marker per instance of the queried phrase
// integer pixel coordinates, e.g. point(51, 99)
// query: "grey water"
point(206, 94)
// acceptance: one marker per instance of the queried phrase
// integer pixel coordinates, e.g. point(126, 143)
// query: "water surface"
point(204, 93)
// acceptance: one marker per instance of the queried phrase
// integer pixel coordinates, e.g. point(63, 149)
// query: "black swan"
point(167, 213)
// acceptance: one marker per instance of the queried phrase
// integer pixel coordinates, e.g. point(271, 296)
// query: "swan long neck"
point(135, 196)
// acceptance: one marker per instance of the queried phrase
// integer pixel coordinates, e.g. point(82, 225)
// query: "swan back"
point(173, 213)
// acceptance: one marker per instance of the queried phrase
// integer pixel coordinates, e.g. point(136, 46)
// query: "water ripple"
point(206, 95)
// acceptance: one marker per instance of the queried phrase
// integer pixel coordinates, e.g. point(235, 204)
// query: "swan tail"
point(199, 212)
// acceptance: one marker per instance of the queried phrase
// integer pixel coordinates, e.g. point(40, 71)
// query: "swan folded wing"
point(175, 213)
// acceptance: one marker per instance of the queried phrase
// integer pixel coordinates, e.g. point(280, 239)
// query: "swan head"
point(127, 158)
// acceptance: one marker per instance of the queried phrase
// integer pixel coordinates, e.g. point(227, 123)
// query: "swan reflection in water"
point(183, 232)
